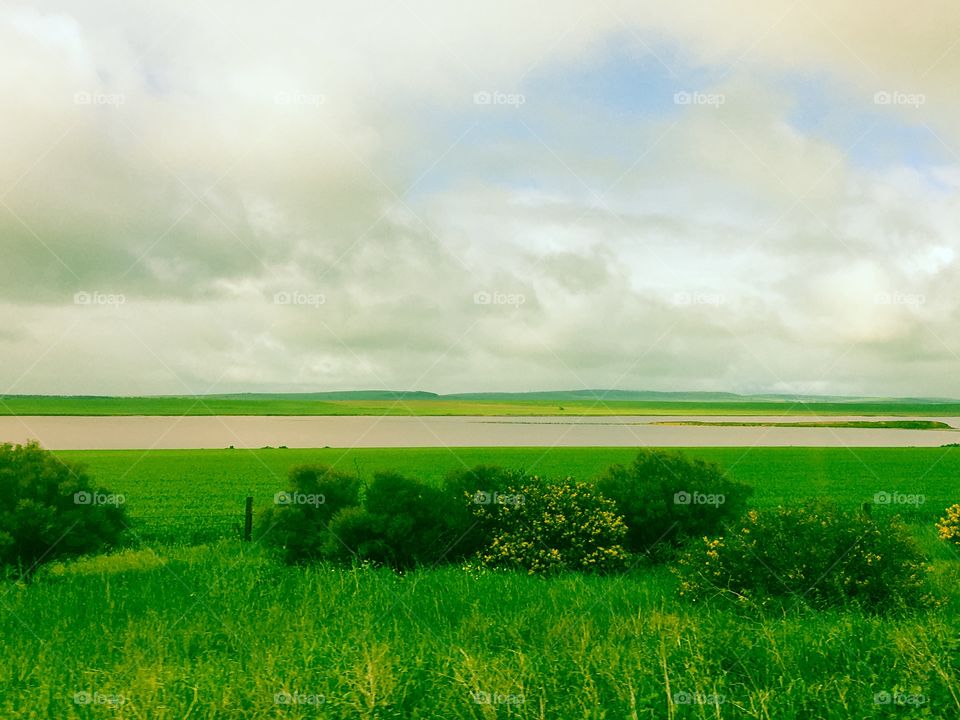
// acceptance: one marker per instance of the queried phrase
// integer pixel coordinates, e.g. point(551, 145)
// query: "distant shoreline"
point(862, 424)
point(438, 406)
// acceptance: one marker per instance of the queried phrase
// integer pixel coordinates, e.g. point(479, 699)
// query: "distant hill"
point(337, 395)
point(661, 396)
point(557, 396)
point(571, 395)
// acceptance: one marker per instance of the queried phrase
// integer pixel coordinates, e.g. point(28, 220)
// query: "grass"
point(221, 630)
point(198, 495)
point(213, 405)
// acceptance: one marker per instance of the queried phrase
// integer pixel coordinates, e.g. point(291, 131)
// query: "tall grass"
point(223, 631)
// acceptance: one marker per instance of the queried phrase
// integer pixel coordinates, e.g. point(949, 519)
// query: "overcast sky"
point(214, 196)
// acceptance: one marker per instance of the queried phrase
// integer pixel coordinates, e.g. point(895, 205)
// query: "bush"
point(402, 523)
point(665, 498)
point(812, 553)
point(948, 527)
point(477, 493)
point(545, 527)
point(481, 478)
point(51, 509)
point(299, 521)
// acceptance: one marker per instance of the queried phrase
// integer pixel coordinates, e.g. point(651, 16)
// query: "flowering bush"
point(479, 494)
point(948, 528)
point(545, 527)
point(812, 554)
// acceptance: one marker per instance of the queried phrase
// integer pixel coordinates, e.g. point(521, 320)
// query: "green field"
point(221, 630)
point(438, 405)
point(199, 494)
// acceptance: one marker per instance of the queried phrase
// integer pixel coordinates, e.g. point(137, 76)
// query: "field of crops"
point(172, 629)
point(199, 494)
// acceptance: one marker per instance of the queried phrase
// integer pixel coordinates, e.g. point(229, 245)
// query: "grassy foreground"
point(223, 632)
point(171, 629)
point(213, 405)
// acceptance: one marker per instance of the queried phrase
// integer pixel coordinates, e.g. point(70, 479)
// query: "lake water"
point(81, 433)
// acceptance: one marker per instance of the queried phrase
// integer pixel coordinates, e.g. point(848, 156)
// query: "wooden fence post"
point(248, 520)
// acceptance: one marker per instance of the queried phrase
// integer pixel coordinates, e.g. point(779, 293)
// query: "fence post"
point(248, 520)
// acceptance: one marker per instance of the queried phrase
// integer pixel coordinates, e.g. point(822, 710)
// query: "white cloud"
point(223, 154)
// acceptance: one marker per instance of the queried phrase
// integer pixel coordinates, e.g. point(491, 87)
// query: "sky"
point(217, 196)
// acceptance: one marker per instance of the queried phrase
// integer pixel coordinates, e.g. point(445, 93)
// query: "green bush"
point(478, 493)
point(51, 509)
point(299, 521)
point(666, 497)
point(812, 554)
point(546, 527)
point(402, 523)
point(481, 478)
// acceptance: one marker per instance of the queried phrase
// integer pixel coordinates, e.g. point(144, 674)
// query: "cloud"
point(420, 196)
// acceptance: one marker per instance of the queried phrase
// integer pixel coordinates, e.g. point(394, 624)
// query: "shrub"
point(665, 497)
point(481, 478)
point(402, 523)
point(811, 553)
point(948, 527)
point(545, 527)
point(299, 521)
point(477, 493)
point(51, 509)
point(358, 534)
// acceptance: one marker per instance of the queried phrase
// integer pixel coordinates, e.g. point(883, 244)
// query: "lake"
point(161, 432)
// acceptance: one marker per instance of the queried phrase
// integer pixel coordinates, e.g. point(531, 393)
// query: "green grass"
point(194, 495)
point(273, 405)
point(219, 630)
